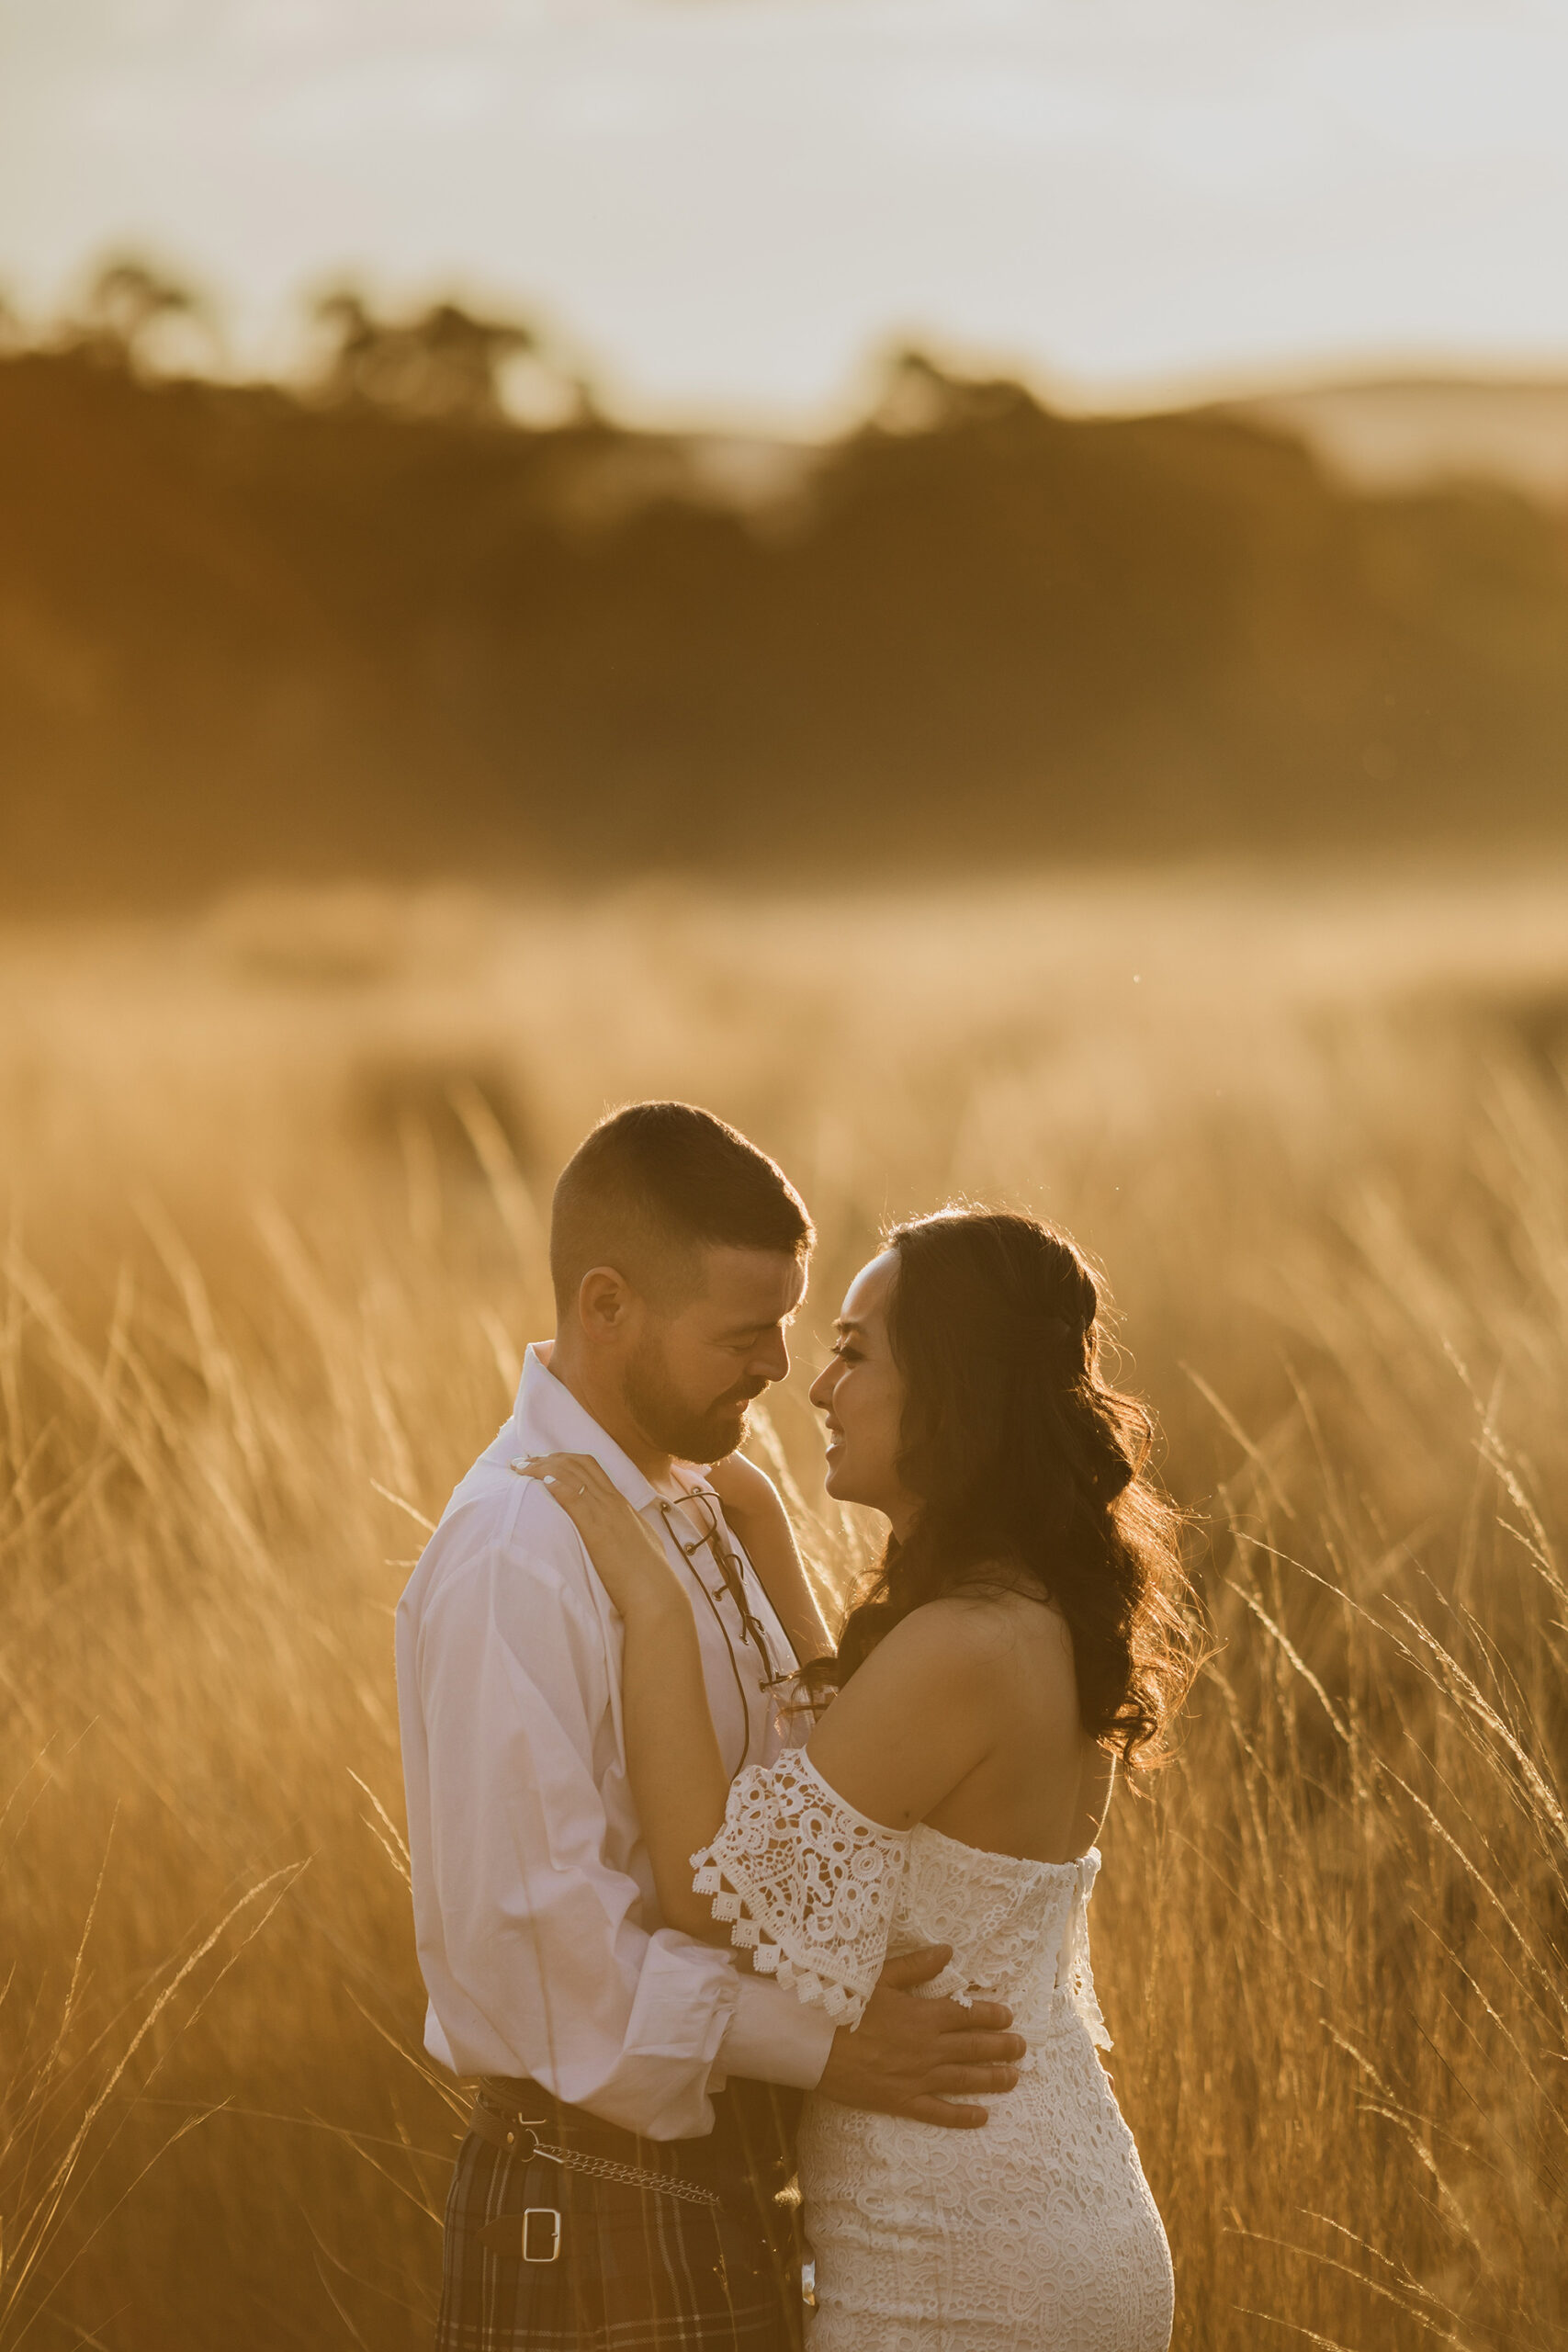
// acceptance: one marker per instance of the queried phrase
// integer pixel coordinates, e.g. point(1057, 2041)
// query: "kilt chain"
point(624, 2175)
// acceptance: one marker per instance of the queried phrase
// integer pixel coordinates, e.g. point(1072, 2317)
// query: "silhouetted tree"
point(445, 363)
point(127, 309)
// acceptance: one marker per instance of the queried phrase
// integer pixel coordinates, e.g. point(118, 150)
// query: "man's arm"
point(530, 1936)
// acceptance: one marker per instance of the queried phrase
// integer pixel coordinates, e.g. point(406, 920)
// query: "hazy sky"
point(727, 203)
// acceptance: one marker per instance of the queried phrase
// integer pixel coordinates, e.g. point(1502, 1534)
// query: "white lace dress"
point(1037, 2233)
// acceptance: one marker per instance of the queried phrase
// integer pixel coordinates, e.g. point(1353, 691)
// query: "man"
point(616, 2188)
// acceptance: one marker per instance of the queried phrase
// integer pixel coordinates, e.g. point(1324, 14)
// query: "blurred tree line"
point(431, 610)
point(442, 362)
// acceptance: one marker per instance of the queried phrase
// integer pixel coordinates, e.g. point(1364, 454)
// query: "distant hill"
point(242, 633)
point(1414, 433)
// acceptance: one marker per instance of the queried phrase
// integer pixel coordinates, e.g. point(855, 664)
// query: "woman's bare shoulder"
point(975, 1631)
point(950, 1684)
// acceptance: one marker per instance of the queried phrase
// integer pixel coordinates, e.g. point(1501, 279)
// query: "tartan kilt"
point(637, 2271)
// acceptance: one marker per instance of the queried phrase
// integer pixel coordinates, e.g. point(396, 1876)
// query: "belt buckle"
point(542, 2213)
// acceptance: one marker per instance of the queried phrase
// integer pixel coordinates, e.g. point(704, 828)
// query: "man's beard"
point(668, 1422)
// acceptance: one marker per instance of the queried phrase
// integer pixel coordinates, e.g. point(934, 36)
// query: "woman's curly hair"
point(1029, 1468)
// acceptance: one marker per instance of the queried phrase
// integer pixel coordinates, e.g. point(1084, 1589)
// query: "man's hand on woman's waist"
point(919, 2057)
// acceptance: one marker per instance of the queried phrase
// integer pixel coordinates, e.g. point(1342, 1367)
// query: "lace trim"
point(804, 1884)
point(1074, 1977)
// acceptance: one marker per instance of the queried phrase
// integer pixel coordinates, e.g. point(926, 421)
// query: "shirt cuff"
point(773, 2037)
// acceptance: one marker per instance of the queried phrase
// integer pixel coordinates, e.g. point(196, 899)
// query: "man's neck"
point(604, 1403)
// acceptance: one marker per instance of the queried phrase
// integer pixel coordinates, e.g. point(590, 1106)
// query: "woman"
point(1024, 1630)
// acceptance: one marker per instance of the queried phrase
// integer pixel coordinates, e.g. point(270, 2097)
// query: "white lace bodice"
point(821, 1896)
point(1037, 2233)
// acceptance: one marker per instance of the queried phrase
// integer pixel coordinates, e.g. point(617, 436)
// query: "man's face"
point(690, 1374)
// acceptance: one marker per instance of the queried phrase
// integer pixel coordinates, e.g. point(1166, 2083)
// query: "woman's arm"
point(752, 1507)
point(679, 1783)
point(914, 1722)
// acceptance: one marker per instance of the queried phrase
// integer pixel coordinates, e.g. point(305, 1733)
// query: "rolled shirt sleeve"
point(534, 1912)
point(765, 2041)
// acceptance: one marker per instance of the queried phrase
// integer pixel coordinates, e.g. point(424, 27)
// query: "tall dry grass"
point(272, 1187)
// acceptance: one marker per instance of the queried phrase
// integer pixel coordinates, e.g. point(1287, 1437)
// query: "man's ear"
point(604, 1303)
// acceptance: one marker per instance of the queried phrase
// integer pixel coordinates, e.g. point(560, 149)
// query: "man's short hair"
point(653, 1186)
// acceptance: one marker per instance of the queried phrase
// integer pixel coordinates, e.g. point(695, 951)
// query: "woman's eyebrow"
point(847, 1323)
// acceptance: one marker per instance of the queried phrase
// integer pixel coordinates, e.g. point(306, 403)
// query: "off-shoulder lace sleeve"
point(809, 1884)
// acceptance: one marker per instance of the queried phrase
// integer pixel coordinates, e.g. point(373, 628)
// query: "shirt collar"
point(548, 1420)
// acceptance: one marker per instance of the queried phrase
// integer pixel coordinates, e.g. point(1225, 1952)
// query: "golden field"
point(272, 1182)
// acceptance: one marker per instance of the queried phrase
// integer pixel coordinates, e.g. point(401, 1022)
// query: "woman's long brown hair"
point(1031, 1469)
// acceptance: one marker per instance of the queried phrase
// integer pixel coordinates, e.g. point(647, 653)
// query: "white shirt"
point(535, 1911)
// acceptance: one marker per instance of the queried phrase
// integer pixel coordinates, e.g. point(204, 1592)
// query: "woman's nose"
point(821, 1389)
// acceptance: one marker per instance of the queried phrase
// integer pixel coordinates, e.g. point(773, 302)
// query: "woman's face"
point(861, 1391)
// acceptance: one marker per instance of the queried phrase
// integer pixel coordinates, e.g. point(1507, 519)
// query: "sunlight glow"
point(727, 206)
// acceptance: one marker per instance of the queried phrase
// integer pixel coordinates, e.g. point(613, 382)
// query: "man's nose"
point(772, 1359)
